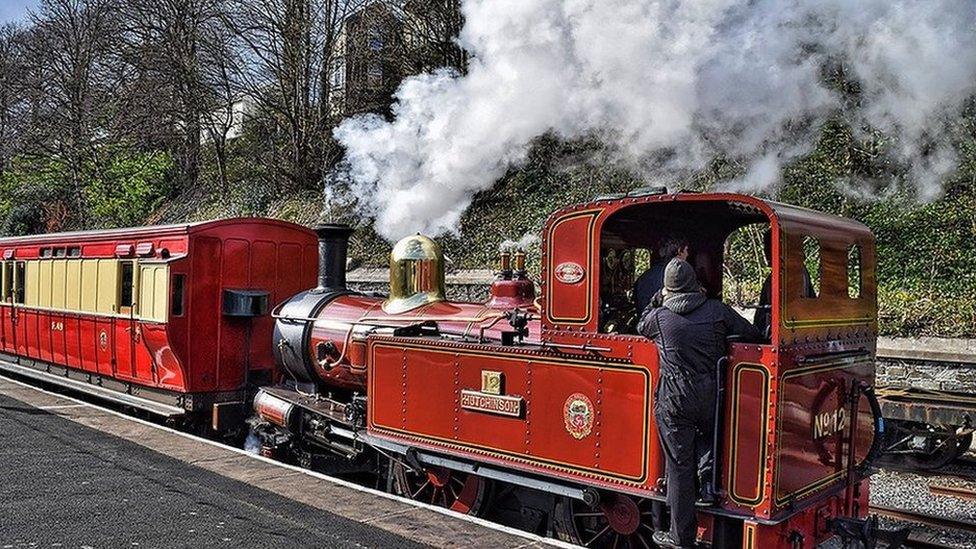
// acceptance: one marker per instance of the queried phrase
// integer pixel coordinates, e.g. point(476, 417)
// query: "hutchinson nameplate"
point(502, 405)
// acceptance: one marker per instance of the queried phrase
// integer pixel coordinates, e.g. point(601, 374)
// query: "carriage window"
point(176, 302)
point(74, 252)
point(854, 271)
point(20, 281)
point(125, 288)
point(7, 279)
point(60, 252)
point(812, 268)
point(46, 252)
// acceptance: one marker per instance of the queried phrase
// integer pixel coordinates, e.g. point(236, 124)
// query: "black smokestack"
point(333, 246)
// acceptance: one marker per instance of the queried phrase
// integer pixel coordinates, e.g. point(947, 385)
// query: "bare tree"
point(11, 97)
point(70, 55)
point(227, 111)
point(287, 51)
point(167, 37)
point(431, 30)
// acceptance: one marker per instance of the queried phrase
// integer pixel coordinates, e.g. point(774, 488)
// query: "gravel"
point(910, 491)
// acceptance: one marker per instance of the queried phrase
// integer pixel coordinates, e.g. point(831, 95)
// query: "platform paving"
point(74, 475)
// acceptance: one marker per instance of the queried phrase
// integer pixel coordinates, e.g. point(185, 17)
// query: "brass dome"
point(416, 274)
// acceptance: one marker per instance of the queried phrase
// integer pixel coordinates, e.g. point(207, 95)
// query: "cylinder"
point(333, 247)
point(274, 409)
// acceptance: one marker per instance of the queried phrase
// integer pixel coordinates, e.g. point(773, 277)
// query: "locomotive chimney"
point(333, 246)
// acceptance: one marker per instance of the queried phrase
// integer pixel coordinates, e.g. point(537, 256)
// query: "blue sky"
point(15, 10)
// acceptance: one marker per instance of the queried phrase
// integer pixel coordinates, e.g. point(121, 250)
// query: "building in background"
point(383, 43)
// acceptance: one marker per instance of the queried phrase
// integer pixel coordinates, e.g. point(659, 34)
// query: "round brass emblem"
point(578, 415)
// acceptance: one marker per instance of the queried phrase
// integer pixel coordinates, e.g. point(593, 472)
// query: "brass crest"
point(491, 382)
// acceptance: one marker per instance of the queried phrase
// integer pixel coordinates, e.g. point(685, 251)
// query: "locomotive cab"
point(792, 405)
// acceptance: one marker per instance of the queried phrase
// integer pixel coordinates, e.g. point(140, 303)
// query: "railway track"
point(953, 491)
point(934, 522)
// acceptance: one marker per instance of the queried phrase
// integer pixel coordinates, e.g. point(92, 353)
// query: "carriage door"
point(18, 297)
point(4, 309)
point(126, 323)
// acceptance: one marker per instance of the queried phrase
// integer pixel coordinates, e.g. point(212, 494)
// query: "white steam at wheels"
point(667, 86)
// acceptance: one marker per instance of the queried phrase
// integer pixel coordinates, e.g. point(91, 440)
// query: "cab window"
point(813, 268)
point(746, 270)
point(854, 272)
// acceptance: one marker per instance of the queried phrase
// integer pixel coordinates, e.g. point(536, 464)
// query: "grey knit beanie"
point(680, 277)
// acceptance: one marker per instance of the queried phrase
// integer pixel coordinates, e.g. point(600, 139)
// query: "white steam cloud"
point(527, 242)
point(667, 86)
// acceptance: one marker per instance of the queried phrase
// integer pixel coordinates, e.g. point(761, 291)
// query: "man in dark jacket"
point(691, 333)
point(651, 281)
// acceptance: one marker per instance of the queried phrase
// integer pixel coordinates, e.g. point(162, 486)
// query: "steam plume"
point(525, 243)
point(667, 86)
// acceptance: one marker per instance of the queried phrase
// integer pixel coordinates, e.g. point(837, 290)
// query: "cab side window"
point(854, 271)
point(812, 268)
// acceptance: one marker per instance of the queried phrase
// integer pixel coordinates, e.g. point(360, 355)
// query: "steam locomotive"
point(535, 409)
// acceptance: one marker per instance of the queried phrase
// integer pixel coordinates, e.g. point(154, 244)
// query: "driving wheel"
point(460, 492)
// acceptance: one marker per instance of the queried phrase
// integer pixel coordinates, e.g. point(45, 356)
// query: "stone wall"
point(927, 363)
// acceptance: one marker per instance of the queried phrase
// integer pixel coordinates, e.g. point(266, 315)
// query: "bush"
point(129, 186)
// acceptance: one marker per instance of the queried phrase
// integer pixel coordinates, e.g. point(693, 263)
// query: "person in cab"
point(691, 332)
point(651, 281)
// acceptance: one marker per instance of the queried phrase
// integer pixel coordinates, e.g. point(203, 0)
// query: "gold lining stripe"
point(588, 279)
point(828, 322)
point(749, 542)
point(511, 456)
point(80, 314)
point(737, 372)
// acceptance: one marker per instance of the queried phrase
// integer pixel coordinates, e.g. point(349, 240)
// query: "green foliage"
point(121, 188)
point(125, 188)
point(29, 189)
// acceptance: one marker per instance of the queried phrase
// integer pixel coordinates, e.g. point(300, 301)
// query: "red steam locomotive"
point(529, 409)
point(553, 395)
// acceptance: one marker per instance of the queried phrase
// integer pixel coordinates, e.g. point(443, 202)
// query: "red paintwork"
point(507, 293)
point(773, 469)
point(200, 352)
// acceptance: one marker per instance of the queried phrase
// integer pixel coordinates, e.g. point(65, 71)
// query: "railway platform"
point(75, 475)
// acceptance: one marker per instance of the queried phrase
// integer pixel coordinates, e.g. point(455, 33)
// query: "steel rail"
point(924, 518)
point(920, 543)
point(953, 491)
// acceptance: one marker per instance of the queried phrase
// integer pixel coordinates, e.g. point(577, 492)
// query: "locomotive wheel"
point(618, 521)
point(460, 492)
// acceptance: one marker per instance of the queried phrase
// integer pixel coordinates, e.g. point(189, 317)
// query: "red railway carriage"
point(170, 319)
point(554, 395)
